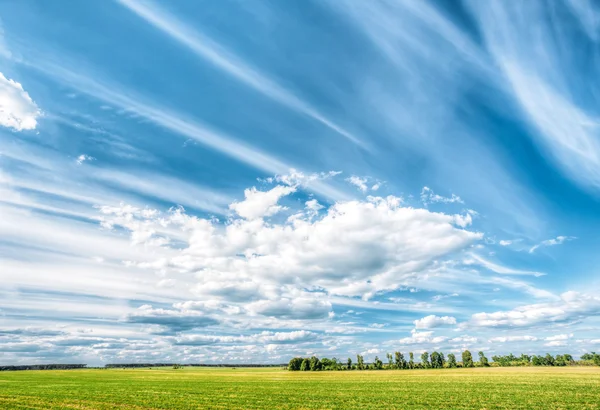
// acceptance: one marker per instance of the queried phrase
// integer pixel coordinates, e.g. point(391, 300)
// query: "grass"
point(224, 388)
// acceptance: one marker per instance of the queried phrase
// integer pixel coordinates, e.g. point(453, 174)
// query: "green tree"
point(360, 362)
point(305, 366)
point(400, 362)
point(315, 364)
point(411, 361)
point(437, 360)
point(467, 359)
point(548, 360)
point(525, 358)
point(588, 356)
point(335, 364)
point(425, 360)
point(377, 364)
point(349, 364)
point(452, 361)
point(295, 363)
point(483, 361)
point(596, 359)
point(390, 360)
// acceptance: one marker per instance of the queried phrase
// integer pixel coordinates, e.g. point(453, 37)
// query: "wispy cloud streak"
point(174, 122)
point(217, 55)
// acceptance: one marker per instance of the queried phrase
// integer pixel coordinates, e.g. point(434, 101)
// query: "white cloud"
point(464, 340)
point(298, 336)
point(428, 197)
point(354, 248)
point(82, 158)
point(421, 338)
point(17, 109)
point(494, 267)
point(559, 240)
point(558, 340)
point(360, 183)
point(542, 77)
point(508, 339)
point(437, 298)
point(432, 321)
point(505, 242)
point(572, 306)
point(299, 178)
point(259, 204)
point(173, 320)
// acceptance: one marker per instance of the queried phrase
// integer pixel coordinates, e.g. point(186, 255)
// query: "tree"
point(588, 356)
point(548, 360)
point(400, 362)
point(411, 362)
point(305, 366)
point(425, 360)
point(349, 364)
point(315, 364)
point(335, 364)
point(467, 359)
point(390, 360)
point(360, 362)
point(452, 361)
point(295, 363)
point(596, 359)
point(437, 360)
point(525, 358)
point(483, 361)
point(377, 364)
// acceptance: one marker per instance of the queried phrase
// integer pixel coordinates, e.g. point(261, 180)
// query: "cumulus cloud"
point(353, 248)
point(421, 338)
point(432, 321)
point(559, 240)
point(360, 183)
point(364, 184)
point(558, 340)
point(296, 308)
point(258, 204)
point(17, 109)
point(572, 306)
point(465, 340)
point(174, 320)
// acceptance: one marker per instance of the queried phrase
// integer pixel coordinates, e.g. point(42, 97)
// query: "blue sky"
point(245, 181)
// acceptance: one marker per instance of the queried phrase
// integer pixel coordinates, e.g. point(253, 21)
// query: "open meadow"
point(226, 388)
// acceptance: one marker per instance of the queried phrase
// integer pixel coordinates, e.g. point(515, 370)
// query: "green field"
point(223, 388)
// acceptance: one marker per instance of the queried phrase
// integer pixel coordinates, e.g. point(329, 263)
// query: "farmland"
point(268, 388)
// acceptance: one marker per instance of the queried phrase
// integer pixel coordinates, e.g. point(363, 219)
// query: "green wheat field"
point(226, 388)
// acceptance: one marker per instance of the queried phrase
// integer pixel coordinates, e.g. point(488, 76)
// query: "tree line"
point(44, 367)
point(437, 360)
point(180, 365)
